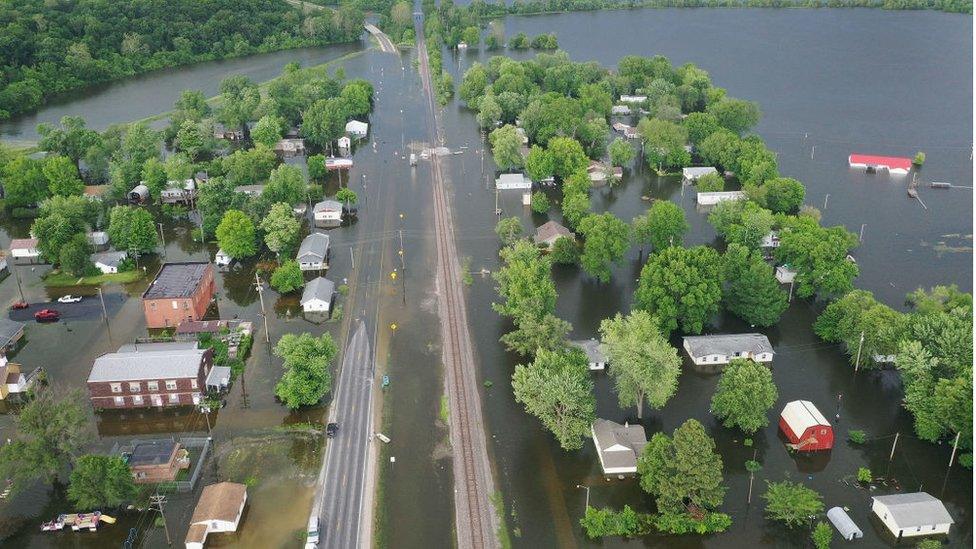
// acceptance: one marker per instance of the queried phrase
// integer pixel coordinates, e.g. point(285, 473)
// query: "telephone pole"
point(158, 500)
point(857, 361)
point(162, 237)
point(13, 267)
point(102, 299)
point(260, 289)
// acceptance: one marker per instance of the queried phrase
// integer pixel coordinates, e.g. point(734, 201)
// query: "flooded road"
point(830, 82)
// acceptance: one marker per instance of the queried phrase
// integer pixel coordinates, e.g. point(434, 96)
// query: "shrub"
point(683, 523)
point(919, 158)
point(856, 436)
point(540, 202)
point(864, 475)
point(710, 183)
point(822, 535)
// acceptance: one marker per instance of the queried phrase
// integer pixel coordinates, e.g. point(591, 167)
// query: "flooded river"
point(830, 82)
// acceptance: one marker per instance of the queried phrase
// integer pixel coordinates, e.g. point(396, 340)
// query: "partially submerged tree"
point(744, 396)
point(556, 388)
point(645, 366)
point(100, 482)
point(307, 376)
point(791, 503)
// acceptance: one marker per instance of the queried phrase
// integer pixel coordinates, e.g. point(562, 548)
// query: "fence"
point(203, 443)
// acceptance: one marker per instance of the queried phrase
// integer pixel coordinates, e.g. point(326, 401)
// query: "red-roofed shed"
point(892, 164)
point(805, 427)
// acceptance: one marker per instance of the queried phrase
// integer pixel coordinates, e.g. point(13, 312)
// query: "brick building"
point(181, 292)
point(150, 375)
point(155, 461)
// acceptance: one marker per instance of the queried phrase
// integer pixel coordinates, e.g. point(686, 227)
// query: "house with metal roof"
point(356, 128)
point(844, 524)
point(317, 295)
point(219, 509)
point(593, 351)
point(805, 427)
point(513, 181)
point(723, 348)
point(618, 446)
point(98, 239)
point(150, 375)
point(179, 191)
point(690, 175)
point(313, 254)
point(712, 198)
point(24, 248)
point(108, 262)
point(912, 515)
point(894, 165)
point(10, 333)
point(549, 232)
point(327, 213)
point(139, 194)
point(252, 191)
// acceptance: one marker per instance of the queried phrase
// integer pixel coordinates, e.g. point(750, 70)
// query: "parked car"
point(19, 305)
point(69, 299)
point(47, 315)
point(312, 541)
point(331, 430)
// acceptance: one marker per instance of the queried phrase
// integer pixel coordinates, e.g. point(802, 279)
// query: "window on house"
point(152, 305)
point(170, 384)
point(153, 385)
point(135, 386)
point(116, 387)
point(186, 305)
point(174, 398)
point(120, 401)
point(137, 400)
point(193, 383)
point(175, 305)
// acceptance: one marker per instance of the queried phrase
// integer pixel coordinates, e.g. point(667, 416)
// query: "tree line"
point(50, 48)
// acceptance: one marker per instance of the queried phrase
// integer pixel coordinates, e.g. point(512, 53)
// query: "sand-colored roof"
point(220, 501)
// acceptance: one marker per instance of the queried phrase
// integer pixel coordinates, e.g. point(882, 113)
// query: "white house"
point(356, 128)
point(108, 262)
point(517, 181)
point(220, 509)
point(25, 248)
point(692, 174)
point(12, 380)
point(723, 348)
point(317, 296)
point(252, 191)
point(313, 254)
point(328, 212)
point(179, 192)
point(345, 144)
point(912, 515)
point(594, 353)
point(710, 199)
point(290, 146)
point(221, 259)
point(633, 99)
point(618, 446)
point(784, 274)
point(771, 240)
point(620, 110)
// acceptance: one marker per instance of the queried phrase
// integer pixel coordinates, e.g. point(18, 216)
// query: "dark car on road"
point(47, 315)
point(331, 430)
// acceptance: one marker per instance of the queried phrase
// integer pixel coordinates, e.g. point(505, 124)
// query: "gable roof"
point(592, 349)
point(327, 206)
point(110, 259)
point(153, 361)
point(23, 243)
point(800, 415)
point(221, 501)
point(314, 245)
point(727, 344)
point(153, 452)
point(915, 509)
point(619, 445)
point(9, 330)
point(318, 288)
point(550, 230)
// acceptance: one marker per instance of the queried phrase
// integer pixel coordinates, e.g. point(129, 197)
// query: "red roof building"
point(892, 164)
point(805, 427)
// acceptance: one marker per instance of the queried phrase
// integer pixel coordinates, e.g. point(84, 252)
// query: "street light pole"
point(260, 288)
point(587, 493)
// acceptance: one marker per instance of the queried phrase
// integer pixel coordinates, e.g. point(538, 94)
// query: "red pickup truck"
point(47, 315)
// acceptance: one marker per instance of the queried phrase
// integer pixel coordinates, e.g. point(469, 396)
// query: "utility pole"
point(102, 299)
point(260, 289)
point(205, 410)
point(955, 446)
point(13, 267)
point(891, 456)
point(352, 258)
point(752, 476)
point(812, 149)
point(162, 237)
point(837, 415)
point(791, 292)
point(587, 493)
point(825, 201)
point(857, 361)
point(158, 500)
point(860, 238)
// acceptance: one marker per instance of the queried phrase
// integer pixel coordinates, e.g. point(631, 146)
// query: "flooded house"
point(357, 129)
point(618, 446)
point(327, 213)
point(912, 515)
point(345, 145)
point(601, 171)
point(219, 510)
point(805, 427)
point(179, 192)
point(620, 110)
point(690, 175)
point(629, 132)
point(513, 181)
point(784, 274)
point(139, 194)
point(595, 356)
point(99, 240)
point(317, 295)
point(150, 375)
point(712, 198)
point(313, 254)
point(155, 461)
point(181, 291)
point(549, 232)
point(290, 147)
point(252, 191)
point(894, 165)
point(12, 379)
point(11, 332)
point(24, 248)
point(633, 99)
point(724, 348)
point(108, 262)
point(222, 259)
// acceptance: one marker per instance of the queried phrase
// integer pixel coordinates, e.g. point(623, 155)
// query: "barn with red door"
point(805, 427)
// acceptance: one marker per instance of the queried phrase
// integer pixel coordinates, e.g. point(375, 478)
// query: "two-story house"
point(150, 375)
point(181, 292)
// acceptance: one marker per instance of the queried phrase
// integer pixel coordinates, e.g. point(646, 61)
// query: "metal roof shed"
point(843, 523)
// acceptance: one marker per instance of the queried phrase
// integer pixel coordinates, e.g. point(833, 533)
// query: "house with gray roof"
point(108, 262)
point(593, 351)
point(10, 333)
point(516, 181)
point(690, 175)
point(150, 375)
point(912, 515)
point(723, 348)
point(618, 446)
point(317, 296)
point(313, 254)
point(550, 231)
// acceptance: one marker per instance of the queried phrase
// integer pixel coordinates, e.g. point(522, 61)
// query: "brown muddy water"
point(841, 81)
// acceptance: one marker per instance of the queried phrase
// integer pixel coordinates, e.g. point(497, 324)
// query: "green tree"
point(249, 167)
point(71, 138)
point(735, 115)
point(532, 333)
point(568, 157)
point(621, 152)
point(99, 482)
point(710, 183)
point(664, 144)
point(564, 251)
point(132, 229)
point(154, 176)
point(700, 125)
point(681, 286)
point(645, 365)
point(236, 235)
point(683, 470)
point(662, 226)
point(575, 206)
point(357, 97)
point(239, 99)
point(856, 313)
point(324, 121)
point(62, 176)
point(506, 148)
point(791, 503)
point(489, 111)
point(286, 184)
point(605, 522)
point(307, 376)
point(75, 255)
point(823, 534)
point(519, 42)
point(471, 36)
point(192, 138)
point(53, 232)
point(24, 183)
point(751, 290)
point(540, 202)
point(316, 167)
point(556, 388)
point(473, 84)
point(606, 241)
point(819, 257)
point(280, 228)
point(347, 196)
point(509, 230)
point(524, 282)
point(268, 130)
point(52, 429)
point(539, 164)
point(783, 195)
point(287, 277)
point(744, 396)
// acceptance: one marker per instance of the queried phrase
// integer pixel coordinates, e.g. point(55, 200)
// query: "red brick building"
point(181, 292)
point(156, 461)
point(150, 376)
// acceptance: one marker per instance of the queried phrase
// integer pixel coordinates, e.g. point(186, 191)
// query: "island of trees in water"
point(549, 116)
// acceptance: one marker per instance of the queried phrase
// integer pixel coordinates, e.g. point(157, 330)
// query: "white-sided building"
point(357, 129)
point(784, 274)
point(222, 259)
point(98, 239)
point(723, 348)
point(633, 99)
point(317, 296)
point(179, 192)
point(513, 181)
point(313, 254)
point(108, 262)
point(24, 248)
point(595, 356)
point(712, 198)
point(618, 446)
point(328, 212)
point(692, 174)
point(912, 515)
point(219, 510)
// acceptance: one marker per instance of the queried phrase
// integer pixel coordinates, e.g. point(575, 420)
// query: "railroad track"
point(472, 473)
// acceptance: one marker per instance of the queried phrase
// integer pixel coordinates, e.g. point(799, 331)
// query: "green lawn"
point(59, 279)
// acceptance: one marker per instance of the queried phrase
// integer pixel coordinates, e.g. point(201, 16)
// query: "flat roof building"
point(180, 292)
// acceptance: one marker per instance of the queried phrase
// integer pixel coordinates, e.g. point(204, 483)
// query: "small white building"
point(252, 191)
point(177, 192)
point(844, 524)
point(345, 145)
point(633, 99)
point(912, 515)
point(595, 356)
point(317, 296)
point(690, 175)
point(108, 262)
point(710, 199)
point(620, 110)
point(723, 348)
point(784, 274)
point(771, 240)
point(618, 446)
point(357, 129)
point(222, 259)
point(289, 147)
point(516, 181)
point(629, 132)
point(327, 212)
point(139, 194)
point(24, 248)
point(220, 509)
point(313, 254)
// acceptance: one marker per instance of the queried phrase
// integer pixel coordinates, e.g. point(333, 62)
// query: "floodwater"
point(841, 81)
